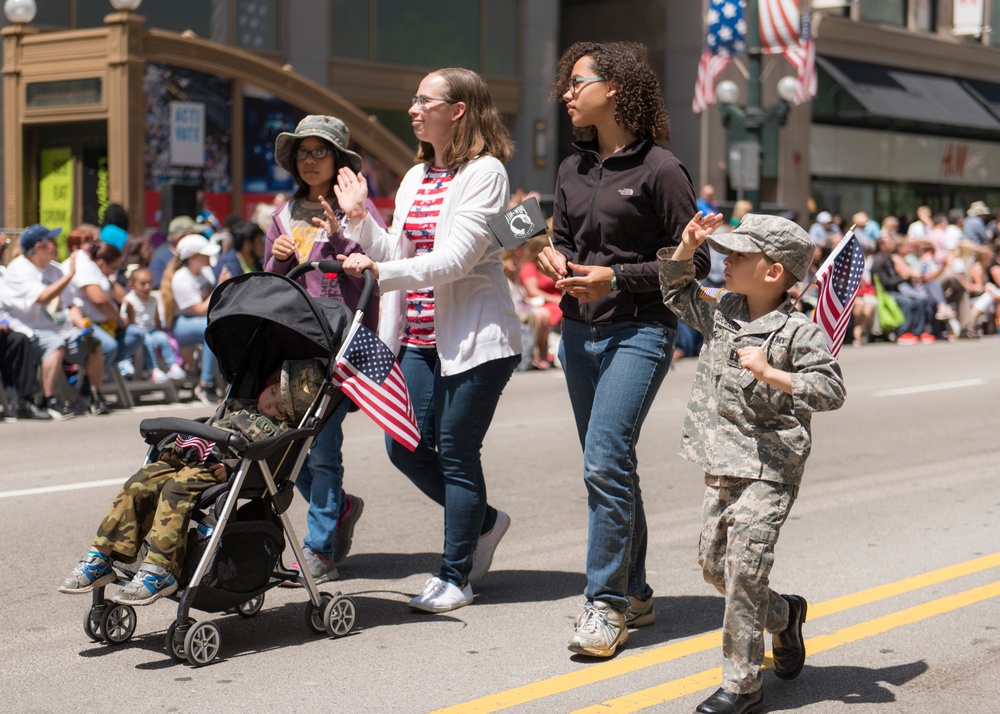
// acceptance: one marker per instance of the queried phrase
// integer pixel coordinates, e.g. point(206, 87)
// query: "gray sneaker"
point(91, 572)
point(323, 569)
point(640, 611)
point(600, 629)
point(150, 583)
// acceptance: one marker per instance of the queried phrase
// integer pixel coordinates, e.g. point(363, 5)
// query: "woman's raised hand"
point(351, 190)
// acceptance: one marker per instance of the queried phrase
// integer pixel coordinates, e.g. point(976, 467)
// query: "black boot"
point(726, 702)
point(789, 650)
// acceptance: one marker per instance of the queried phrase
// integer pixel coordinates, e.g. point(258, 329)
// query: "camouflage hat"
point(330, 129)
point(780, 239)
point(300, 383)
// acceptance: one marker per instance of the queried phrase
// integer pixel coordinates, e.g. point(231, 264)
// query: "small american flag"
point(803, 59)
point(838, 280)
point(202, 447)
point(368, 373)
point(779, 25)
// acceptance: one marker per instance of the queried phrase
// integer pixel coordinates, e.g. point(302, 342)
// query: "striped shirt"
point(420, 228)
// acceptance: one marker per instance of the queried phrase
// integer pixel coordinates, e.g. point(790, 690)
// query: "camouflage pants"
point(741, 519)
point(156, 503)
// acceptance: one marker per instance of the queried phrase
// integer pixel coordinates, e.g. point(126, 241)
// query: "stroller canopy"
point(257, 320)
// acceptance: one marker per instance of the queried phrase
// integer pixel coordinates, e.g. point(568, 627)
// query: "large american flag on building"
point(838, 280)
point(367, 372)
point(803, 58)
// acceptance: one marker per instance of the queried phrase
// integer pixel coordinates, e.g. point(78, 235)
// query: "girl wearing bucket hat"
point(299, 232)
point(449, 316)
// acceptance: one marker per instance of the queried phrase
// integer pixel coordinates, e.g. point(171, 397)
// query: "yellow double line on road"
point(687, 685)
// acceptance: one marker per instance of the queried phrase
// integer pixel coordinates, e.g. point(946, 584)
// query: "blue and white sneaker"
point(149, 585)
point(93, 571)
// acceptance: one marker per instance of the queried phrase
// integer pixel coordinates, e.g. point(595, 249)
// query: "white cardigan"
point(474, 317)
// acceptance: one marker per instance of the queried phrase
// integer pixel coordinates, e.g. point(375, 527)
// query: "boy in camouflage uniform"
point(763, 371)
point(156, 503)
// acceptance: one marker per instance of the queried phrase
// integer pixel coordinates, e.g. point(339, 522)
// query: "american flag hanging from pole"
point(838, 280)
point(367, 372)
point(779, 25)
point(803, 58)
point(725, 36)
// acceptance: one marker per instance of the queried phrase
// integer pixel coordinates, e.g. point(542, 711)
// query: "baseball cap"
point(824, 217)
point(195, 245)
point(185, 224)
point(35, 234)
point(114, 235)
point(780, 239)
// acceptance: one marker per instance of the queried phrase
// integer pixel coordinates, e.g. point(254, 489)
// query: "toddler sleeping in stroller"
point(156, 502)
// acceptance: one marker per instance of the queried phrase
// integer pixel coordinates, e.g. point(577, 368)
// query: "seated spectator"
point(186, 290)
point(541, 292)
point(534, 319)
point(894, 274)
point(974, 225)
point(31, 289)
point(866, 229)
point(824, 232)
point(178, 228)
point(922, 226)
point(17, 364)
point(93, 301)
point(246, 253)
point(137, 253)
point(143, 313)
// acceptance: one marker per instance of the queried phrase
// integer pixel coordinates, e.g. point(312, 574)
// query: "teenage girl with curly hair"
point(618, 200)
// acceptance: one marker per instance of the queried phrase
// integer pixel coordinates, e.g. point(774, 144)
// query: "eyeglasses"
point(318, 153)
point(575, 83)
point(421, 101)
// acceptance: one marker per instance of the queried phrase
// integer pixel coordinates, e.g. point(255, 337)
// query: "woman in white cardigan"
point(446, 311)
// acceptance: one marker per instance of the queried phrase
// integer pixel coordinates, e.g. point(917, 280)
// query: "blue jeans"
point(122, 346)
point(157, 341)
point(190, 331)
point(454, 414)
point(613, 371)
point(321, 483)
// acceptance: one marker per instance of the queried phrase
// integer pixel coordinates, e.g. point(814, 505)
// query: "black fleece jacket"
point(618, 213)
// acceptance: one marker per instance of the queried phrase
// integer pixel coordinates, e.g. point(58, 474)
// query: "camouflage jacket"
point(239, 416)
point(736, 425)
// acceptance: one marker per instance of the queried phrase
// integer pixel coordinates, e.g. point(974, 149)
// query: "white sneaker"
point(441, 596)
point(600, 630)
point(176, 372)
point(159, 376)
point(482, 557)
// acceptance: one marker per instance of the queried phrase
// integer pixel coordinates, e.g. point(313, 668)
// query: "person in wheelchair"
point(155, 504)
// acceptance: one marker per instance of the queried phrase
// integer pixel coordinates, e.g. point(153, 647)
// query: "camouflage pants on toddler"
point(156, 502)
point(741, 519)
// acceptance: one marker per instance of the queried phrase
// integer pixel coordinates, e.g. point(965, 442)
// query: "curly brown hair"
point(480, 131)
point(639, 105)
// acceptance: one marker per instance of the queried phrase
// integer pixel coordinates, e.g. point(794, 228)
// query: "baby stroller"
point(238, 529)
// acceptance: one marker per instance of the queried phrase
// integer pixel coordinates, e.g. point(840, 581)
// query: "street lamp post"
point(744, 158)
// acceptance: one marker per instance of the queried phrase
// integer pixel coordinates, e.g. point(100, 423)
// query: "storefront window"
point(175, 15)
point(884, 12)
point(55, 13)
point(257, 25)
point(923, 15)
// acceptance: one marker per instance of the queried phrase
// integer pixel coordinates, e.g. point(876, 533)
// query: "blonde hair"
point(480, 131)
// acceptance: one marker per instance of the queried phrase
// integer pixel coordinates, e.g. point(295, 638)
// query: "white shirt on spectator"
point(190, 289)
point(22, 283)
point(87, 273)
point(953, 235)
point(146, 311)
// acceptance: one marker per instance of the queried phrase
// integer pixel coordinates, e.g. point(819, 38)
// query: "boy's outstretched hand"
point(697, 230)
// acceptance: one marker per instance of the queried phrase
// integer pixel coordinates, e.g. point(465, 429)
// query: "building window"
point(258, 24)
point(993, 36)
point(63, 93)
point(923, 16)
point(175, 15)
point(884, 12)
point(481, 35)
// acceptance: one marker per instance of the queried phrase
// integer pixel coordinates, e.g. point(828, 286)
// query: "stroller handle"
point(336, 266)
point(155, 430)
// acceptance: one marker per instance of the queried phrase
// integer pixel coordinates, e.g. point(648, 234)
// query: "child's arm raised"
point(697, 230)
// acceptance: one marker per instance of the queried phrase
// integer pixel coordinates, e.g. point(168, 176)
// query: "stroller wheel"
point(118, 624)
point(202, 643)
point(175, 643)
point(315, 620)
point(339, 616)
point(251, 607)
point(92, 623)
